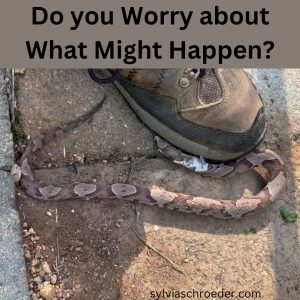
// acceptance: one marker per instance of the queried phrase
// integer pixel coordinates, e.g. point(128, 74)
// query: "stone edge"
point(13, 278)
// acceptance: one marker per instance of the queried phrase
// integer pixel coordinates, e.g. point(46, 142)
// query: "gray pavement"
point(13, 281)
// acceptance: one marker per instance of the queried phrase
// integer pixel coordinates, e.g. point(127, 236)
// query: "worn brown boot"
point(214, 113)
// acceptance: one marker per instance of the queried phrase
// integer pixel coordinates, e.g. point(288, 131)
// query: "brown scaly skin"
point(224, 209)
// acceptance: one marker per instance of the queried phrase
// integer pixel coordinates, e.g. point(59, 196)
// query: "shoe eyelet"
point(184, 82)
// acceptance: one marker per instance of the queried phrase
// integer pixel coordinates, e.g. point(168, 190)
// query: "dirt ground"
point(92, 245)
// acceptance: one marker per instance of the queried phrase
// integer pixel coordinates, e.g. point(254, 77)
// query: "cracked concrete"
point(13, 279)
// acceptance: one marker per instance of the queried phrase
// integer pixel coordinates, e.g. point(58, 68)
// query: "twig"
point(174, 266)
point(58, 265)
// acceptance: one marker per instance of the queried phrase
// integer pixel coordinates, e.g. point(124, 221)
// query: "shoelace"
point(195, 73)
point(111, 79)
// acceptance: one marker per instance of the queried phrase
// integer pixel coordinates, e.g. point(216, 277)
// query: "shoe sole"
point(178, 140)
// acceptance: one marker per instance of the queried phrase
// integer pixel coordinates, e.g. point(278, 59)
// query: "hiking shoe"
point(214, 113)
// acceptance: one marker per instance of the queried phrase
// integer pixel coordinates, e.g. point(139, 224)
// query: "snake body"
point(158, 196)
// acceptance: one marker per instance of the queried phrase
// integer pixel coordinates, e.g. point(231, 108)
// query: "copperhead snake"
point(158, 196)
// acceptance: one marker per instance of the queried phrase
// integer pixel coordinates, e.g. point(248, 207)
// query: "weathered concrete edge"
point(13, 278)
point(6, 138)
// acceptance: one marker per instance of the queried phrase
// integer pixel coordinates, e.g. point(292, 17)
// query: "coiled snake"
point(157, 196)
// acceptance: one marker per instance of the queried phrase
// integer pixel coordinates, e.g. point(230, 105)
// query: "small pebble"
point(37, 279)
point(30, 231)
point(80, 158)
point(34, 262)
point(46, 277)
point(27, 254)
point(118, 223)
point(156, 228)
point(46, 267)
point(48, 292)
point(48, 213)
point(46, 282)
point(34, 297)
point(53, 279)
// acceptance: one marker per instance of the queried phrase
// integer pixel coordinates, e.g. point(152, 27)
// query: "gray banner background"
point(16, 28)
